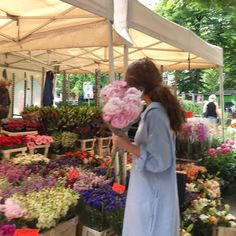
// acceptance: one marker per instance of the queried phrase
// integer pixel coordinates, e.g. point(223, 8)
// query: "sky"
point(149, 3)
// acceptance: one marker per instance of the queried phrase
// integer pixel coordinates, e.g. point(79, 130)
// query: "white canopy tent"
point(75, 36)
point(52, 32)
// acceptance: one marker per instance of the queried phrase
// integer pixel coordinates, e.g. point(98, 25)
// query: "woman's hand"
point(120, 142)
point(125, 144)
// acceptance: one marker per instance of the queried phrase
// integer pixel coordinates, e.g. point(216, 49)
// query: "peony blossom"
point(123, 105)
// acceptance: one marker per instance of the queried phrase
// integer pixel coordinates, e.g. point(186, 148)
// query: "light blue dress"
point(152, 203)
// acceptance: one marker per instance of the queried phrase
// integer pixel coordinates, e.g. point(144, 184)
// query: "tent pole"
point(126, 59)
point(25, 88)
point(97, 87)
point(111, 55)
point(64, 88)
point(32, 90)
point(12, 95)
point(42, 85)
point(221, 79)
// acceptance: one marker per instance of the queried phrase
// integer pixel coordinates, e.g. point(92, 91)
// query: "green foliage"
point(194, 107)
point(75, 82)
point(224, 165)
point(215, 25)
point(190, 81)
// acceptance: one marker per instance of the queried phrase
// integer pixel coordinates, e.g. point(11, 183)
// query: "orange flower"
point(213, 220)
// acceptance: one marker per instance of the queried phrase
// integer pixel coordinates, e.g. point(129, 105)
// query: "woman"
point(210, 109)
point(152, 202)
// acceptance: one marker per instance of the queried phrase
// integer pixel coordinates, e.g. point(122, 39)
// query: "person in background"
point(4, 99)
point(152, 207)
point(210, 109)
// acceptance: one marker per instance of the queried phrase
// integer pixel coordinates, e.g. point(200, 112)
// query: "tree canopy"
point(216, 25)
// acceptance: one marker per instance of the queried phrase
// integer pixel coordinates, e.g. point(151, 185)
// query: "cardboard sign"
point(26, 232)
point(118, 188)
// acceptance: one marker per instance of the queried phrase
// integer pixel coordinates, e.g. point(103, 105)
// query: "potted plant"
point(63, 142)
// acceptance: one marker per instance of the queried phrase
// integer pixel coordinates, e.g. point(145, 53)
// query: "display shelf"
point(7, 153)
point(67, 228)
point(23, 133)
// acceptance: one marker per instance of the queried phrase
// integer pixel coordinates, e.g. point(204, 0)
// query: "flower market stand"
point(7, 153)
point(87, 145)
point(18, 133)
point(91, 232)
point(33, 150)
point(67, 228)
point(103, 146)
point(224, 231)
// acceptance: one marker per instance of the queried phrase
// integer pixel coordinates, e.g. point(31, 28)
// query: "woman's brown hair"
point(144, 75)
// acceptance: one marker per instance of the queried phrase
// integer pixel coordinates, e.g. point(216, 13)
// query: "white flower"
point(232, 224)
point(203, 217)
point(191, 187)
point(230, 217)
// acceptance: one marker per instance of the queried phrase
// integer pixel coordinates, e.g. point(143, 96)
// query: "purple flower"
point(7, 230)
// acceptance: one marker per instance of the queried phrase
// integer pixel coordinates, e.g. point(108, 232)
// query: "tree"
point(190, 81)
point(215, 25)
point(75, 82)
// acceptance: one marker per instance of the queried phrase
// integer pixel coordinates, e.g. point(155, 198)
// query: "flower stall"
point(31, 182)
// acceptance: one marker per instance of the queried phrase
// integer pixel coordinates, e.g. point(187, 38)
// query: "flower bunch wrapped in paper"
point(122, 108)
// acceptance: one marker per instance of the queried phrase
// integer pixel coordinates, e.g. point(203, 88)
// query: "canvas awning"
point(72, 35)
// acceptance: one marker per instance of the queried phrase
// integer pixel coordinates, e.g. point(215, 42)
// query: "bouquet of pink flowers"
point(122, 108)
point(122, 105)
point(34, 140)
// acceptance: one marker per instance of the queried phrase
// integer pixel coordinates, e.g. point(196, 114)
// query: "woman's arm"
point(124, 143)
point(217, 110)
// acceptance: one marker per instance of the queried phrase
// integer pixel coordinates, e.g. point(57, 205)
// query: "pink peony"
point(119, 122)
point(116, 89)
point(134, 91)
point(13, 209)
point(113, 106)
point(226, 150)
point(106, 117)
point(122, 105)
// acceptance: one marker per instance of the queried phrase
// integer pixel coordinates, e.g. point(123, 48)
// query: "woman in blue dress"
point(152, 203)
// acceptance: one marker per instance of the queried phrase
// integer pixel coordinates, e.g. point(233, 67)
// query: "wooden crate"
point(34, 149)
point(91, 232)
point(224, 231)
point(23, 133)
point(103, 146)
point(7, 153)
point(87, 145)
point(67, 228)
